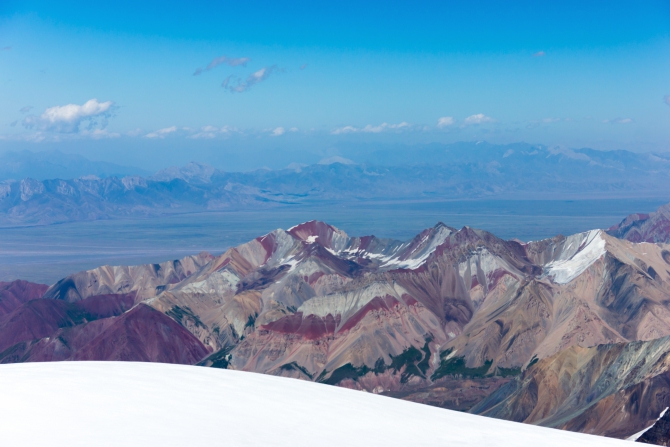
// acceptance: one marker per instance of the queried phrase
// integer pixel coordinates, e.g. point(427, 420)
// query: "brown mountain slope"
point(144, 335)
point(447, 318)
point(141, 334)
point(612, 390)
point(369, 313)
point(609, 291)
point(143, 280)
point(652, 227)
point(14, 294)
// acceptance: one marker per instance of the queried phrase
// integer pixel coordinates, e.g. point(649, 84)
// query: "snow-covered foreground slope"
point(144, 404)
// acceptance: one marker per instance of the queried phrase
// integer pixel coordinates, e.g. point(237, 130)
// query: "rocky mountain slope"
point(657, 434)
point(615, 390)
point(455, 318)
point(652, 227)
point(98, 315)
point(14, 294)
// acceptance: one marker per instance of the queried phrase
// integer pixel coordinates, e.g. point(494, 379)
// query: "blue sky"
point(94, 77)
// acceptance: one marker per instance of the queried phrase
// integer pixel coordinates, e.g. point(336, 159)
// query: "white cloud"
point(666, 99)
point(478, 118)
point(99, 134)
point(236, 85)
point(231, 61)
point(204, 135)
point(370, 128)
point(278, 132)
point(293, 129)
point(445, 121)
point(161, 133)
point(539, 54)
point(68, 118)
point(345, 129)
point(209, 132)
point(619, 121)
point(374, 129)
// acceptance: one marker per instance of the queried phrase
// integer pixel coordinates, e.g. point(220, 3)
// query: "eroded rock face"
point(613, 390)
point(652, 227)
point(108, 327)
point(14, 294)
point(144, 281)
point(561, 332)
point(312, 302)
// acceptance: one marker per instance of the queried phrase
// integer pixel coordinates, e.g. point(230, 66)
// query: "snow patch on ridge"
point(223, 281)
point(284, 247)
point(348, 303)
point(581, 252)
point(425, 247)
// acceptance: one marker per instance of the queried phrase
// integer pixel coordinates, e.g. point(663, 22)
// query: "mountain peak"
point(653, 227)
point(315, 231)
point(336, 159)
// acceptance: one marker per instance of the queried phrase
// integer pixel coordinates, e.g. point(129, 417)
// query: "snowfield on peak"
point(582, 250)
point(143, 404)
point(348, 303)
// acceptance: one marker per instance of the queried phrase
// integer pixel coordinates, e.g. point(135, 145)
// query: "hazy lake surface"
point(46, 254)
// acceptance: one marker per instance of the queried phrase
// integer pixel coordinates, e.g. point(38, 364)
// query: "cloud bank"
point(619, 121)
point(161, 133)
point(370, 128)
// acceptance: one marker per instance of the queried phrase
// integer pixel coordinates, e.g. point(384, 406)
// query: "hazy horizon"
point(289, 82)
point(245, 156)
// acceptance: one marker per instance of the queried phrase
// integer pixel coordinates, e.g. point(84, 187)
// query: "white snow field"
point(73, 404)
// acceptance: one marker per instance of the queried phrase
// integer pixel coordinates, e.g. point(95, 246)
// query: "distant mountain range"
point(463, 171)
point(568, 332)
point(55, 164)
